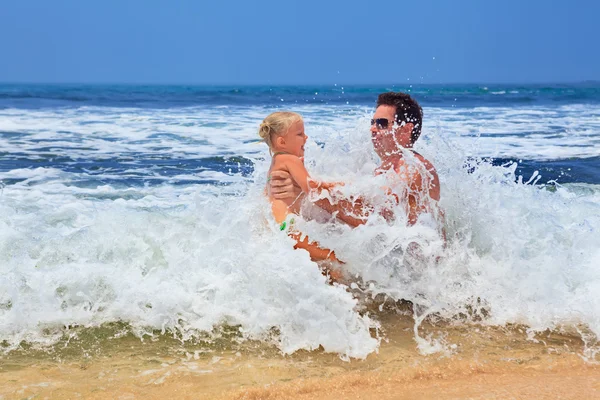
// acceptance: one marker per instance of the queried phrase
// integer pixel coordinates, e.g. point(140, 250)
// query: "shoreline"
point(485, 362)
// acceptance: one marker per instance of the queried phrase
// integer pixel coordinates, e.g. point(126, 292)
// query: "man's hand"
point(281, 186)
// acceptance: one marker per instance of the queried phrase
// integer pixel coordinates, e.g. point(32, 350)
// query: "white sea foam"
point(537, 133)
point(186, 261)
point(530, 255)
point(540, 133)
point(188, 258)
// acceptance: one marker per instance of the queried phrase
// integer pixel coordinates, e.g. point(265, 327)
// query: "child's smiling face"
point(295, 139)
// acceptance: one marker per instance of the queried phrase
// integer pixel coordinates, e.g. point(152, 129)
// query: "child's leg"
point(317, 254)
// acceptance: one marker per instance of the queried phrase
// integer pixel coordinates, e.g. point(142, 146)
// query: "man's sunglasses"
point(382, 123)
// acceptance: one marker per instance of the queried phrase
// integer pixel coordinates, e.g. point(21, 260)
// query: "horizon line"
point(221, 84)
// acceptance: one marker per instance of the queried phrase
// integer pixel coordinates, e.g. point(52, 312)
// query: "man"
point(395, 127)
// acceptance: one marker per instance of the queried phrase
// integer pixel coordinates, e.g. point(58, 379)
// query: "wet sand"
point(485, 363)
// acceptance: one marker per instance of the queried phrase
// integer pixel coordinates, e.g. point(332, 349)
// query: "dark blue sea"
point(550, 128)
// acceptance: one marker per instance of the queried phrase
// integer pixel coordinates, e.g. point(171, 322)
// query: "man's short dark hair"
point(407, 110)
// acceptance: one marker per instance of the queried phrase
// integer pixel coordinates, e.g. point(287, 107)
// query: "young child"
point(284, 133)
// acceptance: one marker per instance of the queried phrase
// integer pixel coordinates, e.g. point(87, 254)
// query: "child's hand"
point(331, 185)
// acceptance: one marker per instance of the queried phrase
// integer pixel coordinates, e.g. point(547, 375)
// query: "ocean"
point(139, 211)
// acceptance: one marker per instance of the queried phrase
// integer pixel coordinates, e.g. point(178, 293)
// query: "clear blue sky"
point(296, 42)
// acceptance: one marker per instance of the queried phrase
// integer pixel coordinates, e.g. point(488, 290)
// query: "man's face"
point(389, 140)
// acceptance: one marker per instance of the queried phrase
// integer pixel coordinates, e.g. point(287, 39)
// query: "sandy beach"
point(481, 363)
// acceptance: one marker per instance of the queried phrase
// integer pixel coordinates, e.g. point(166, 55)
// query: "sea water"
point(144, 206)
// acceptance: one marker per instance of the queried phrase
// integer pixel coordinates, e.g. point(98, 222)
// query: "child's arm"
point(354, 212)
point(299, 174)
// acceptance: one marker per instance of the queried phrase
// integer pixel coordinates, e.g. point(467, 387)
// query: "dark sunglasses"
point(382, 123)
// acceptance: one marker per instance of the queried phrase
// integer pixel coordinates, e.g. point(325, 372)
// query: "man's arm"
point(298, 172)
point(353, 212)
point(417, 196)
point(281, 186)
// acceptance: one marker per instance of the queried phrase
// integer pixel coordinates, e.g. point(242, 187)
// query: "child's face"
point(295, 138)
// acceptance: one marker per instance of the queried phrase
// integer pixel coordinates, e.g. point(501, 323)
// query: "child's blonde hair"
point(277, 124)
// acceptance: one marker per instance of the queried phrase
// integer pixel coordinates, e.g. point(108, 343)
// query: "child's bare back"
point(287, 163)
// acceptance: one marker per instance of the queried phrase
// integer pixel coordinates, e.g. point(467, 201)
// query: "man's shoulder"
point(430, 179)
point(428, 165)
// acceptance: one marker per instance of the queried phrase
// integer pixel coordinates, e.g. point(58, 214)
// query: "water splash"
point(186, 258)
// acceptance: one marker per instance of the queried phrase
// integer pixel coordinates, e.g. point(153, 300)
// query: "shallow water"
point(107, 363)
point(134, 233)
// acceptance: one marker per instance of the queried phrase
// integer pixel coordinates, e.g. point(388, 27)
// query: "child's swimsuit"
point(288, 224)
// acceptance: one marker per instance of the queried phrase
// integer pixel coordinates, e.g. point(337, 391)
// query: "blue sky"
point(297, 42)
